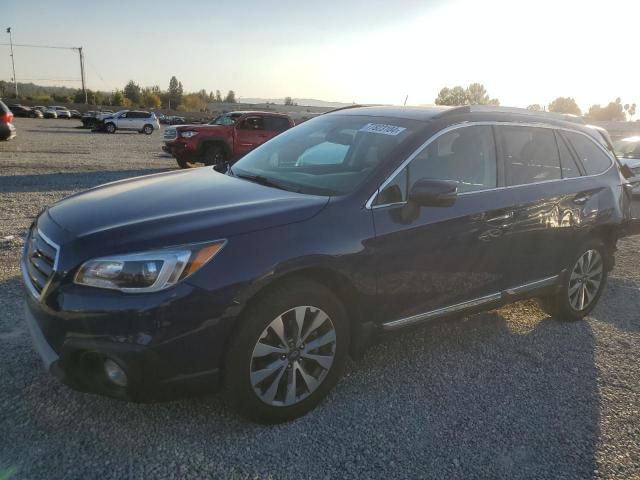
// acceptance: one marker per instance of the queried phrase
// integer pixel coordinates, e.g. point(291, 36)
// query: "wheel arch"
point(608, 235)
point(207, 142)
point(340, 285)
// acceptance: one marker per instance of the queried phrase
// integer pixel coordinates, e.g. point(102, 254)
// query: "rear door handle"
point(581, 198)
point(501, 218)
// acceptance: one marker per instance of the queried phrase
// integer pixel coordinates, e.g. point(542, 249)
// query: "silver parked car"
point(628, 152)
point(62, 112)
point(140, 121)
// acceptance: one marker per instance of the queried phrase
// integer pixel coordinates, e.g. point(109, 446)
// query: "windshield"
point(226, 119)
point(629, 148)
point(329, 155)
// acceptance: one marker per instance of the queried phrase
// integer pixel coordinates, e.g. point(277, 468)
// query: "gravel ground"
point(507, 394)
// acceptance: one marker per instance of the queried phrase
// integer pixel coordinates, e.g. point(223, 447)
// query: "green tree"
point(630, 110)
point(614, 111)
point(452, 96)
point(133, 92)
point(119, 99)
point(536, 107)
point(175, 92)
point(474, 94)
point(194, 102)
point(231, 97)
point(288, 101)
point(218, 96)
point(78, 97)
point(150, 98)
point(3, 87)
point(565, 105)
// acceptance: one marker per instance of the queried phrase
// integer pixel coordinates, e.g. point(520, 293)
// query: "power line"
point(51, 79)
point(27, 45)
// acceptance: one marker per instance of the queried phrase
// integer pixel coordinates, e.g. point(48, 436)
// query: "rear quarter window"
point(593, 159)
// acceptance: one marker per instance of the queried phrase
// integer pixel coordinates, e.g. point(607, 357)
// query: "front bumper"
point(79, 363)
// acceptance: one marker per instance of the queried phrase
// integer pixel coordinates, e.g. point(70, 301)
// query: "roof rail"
point(567, 117)
point(346, 108)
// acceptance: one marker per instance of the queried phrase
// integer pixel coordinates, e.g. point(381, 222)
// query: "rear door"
point(542, 212)
point(275, 125)
point(433, 258)
point(250, 132)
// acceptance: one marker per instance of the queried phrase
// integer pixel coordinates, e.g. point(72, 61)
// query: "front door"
point(430, 258)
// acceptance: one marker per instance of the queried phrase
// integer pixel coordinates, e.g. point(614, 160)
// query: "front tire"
point(182, 163)
point(583, 284)
point(214, 155)
point(287, 355)
point(110, 128)
point(147, 129)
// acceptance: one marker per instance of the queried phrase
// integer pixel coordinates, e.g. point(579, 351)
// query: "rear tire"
point(583, 284)
point(288, 353)
point(110, 128)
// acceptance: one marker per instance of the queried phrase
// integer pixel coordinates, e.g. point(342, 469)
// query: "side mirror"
point(434, 193)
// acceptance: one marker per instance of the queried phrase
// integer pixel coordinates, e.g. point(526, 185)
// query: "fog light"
point(115, 373)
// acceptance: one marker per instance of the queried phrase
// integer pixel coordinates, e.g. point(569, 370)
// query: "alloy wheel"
point(293, 356)
point(586, 278)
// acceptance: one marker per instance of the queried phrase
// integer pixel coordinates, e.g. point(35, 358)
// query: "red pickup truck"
point(225, 139)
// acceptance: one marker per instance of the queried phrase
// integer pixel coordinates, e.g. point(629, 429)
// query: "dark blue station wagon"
point(263, 279)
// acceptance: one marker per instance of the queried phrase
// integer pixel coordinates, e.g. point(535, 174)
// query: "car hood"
point(178, 207)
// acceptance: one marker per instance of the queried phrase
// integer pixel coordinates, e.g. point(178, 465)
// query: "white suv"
point(143, 122)
point(62, 112)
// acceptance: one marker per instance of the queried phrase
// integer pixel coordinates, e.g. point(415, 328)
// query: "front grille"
point(40, 262)
point(170, 134)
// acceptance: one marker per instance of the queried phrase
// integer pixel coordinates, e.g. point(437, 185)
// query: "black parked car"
point(7, 130)
point(26, 112)
point(350, 225)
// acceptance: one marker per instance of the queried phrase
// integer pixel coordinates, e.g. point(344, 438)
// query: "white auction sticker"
point(382, 129)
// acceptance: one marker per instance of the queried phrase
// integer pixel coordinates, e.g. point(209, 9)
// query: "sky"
point(363, 51)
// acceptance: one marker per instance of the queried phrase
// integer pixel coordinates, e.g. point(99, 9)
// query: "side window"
point(567, 162)
point(276, 124)
point(466, 155)
point(252, 123)
point(530, 154)
point(395, 191)
point(593, 158)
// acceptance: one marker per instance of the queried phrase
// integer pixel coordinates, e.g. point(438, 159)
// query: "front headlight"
point(188, 134)
point(147, 271)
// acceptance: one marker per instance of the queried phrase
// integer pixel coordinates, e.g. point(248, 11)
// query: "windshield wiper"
point(259, 179)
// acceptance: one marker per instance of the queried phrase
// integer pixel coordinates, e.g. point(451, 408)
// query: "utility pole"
point(13, 65)
point(84, 89)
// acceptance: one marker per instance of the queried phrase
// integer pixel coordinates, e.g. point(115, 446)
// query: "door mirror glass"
point(427, 192)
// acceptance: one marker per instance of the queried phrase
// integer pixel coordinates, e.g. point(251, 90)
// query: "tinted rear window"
point(276, 124)
point(567, 161)
point(530, 154)
point(592, 157)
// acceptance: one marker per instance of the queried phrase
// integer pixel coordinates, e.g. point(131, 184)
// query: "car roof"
point(409, 113)
point(469, 113)
point(255, 112)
